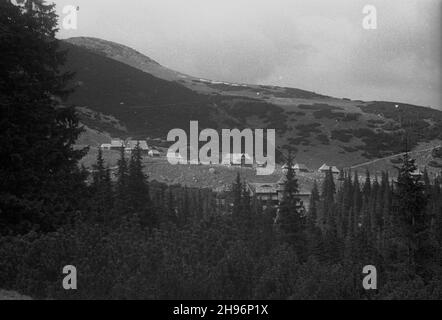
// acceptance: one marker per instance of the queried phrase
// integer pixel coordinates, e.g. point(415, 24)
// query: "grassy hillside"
point(126, 94)
point(427, 156)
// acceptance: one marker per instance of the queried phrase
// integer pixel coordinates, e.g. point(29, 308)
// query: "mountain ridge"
point(147, 99)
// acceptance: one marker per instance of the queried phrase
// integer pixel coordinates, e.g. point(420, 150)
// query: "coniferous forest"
point(130, 238)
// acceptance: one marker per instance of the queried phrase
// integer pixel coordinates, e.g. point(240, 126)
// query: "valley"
point(122, 93)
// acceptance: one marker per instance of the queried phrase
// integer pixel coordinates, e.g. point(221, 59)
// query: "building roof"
point(117, 143)
point(296, 166)
point(300, 166)
point(325, 167)
point(132, 144)
point(173, 155)
point(236, 158)
point(417, 172)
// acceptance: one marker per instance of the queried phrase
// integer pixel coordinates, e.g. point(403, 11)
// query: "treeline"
point(155, 204)
point(393, 224)
point(133, 240)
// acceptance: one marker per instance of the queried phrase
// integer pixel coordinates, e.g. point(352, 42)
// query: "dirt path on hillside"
point(393, 156)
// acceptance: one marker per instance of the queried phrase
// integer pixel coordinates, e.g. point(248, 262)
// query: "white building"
point(116, 144)
point(237, 159)
point(325, 168)
point(154, 153)
point(300, 167)
point(132, 144)
point(106, 146)
point(176, 158)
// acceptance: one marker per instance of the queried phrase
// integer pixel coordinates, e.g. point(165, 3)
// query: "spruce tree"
point(99, 171)
point(291, 218)
point(102, 189)
point(121, 190)
point(366, 190)
point(328, 188)
point(138, 190)
point(410, 204)
point(327, 199)
point(39, 162)
point(171, 216)
point(313, 210)
point(199, 214)
point(246, 215)
point(236, 195)
point(346, 202)
point(184, 214)
point(357, 195)
point(313, 231)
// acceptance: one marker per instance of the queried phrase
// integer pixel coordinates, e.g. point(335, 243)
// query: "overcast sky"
point(317, 45)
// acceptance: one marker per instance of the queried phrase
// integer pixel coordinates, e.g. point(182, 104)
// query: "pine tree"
point(346, 202)
point(122, 192)
point(333, 245)
point(366, 234)
point(366, 190)
point(291, 219)
point(357, 195)
point(349, 241)
point(313, 211)
point(265, 226)
point(327, 199)
point(376, 203)
point(328, 188)
point(236, 194)
point(102, 189)
point(246, 214)
point(382, 201)
point(99, 171)
point(39, 163)
point(410, 203)
point(437, 228)
point(184, 214)
point(313, 231)
point(199, 214)
point(138, 190)
point(170, 208)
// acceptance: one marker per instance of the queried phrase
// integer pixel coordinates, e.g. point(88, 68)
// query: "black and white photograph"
point(241, 152)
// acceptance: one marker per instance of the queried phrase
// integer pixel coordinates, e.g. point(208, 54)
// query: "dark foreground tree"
point(39, 176)
point(102, 200)
point(410, 211)
point(138, 190)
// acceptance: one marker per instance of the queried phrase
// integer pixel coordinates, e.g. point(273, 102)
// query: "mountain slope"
point(124, 93)
point(127, 56)
point(141, 62)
